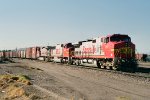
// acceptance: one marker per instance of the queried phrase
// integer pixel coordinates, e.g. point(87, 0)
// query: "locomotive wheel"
point(98, 64)
point(114, 68)
point(103, 67)
point(109, 67)
point(115, 64)
point(46, 59)
point(70, 62)
point(77, 62)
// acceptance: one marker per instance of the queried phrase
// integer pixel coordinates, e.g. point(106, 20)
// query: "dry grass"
point(14, 92)
point(13, 86)
point(123, 98)
point(12, 78)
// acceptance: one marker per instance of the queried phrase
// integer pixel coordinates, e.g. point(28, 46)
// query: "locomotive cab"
point(123, 47)
point(67, 53)
point(120, 48)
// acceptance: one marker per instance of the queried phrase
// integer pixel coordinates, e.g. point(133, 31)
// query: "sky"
point(25, 23)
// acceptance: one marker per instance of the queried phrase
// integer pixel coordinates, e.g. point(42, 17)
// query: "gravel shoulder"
point(43, 86)
point(62, 82)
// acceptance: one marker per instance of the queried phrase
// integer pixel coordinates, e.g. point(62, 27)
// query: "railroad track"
point(136, 74)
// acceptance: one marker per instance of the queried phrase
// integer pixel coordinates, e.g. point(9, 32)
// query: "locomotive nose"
point(125, 49)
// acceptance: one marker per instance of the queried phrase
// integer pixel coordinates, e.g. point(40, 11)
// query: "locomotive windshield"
point(118, 38)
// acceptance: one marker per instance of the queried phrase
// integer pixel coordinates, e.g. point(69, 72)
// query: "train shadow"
point(7, 61)
point(143, 70)
point(3, 62)
point(139, 69)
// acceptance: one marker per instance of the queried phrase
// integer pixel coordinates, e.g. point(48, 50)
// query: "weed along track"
point(12, 86)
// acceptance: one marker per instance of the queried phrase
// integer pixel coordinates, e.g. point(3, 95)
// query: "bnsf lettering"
point(89, 50)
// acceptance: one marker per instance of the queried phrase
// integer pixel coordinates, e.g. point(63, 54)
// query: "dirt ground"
point(51, 81)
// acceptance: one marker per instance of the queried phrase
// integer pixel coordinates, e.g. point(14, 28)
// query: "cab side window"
point(106, 40)
point(102, 40)
point(94, 41)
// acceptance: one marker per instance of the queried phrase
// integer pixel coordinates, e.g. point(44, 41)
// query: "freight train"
point(114, 51)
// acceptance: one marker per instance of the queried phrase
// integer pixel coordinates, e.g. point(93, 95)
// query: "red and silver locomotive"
point(112, 52)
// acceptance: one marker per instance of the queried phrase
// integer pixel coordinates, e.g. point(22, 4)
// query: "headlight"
point(112, 49)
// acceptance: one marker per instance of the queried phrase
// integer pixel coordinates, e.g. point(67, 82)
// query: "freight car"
point(1, 56)
point(14, 53)
point(35, 52)
point(29, 53)
point(23, 53)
